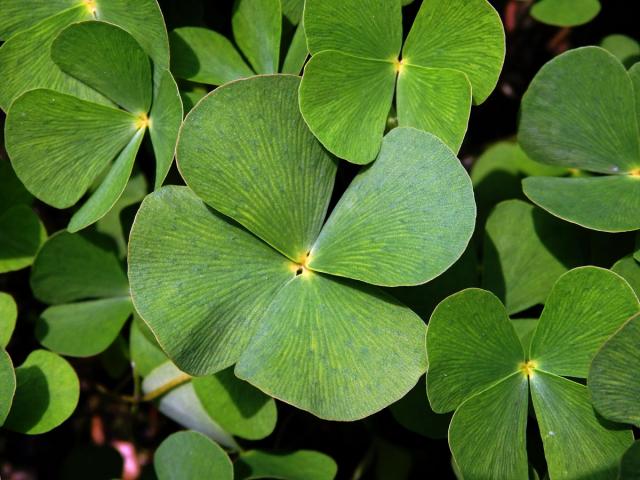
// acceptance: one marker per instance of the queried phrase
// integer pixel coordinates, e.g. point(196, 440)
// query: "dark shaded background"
point(376, 444)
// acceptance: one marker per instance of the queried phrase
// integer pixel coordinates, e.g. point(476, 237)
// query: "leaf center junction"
point(91, 6)
point(142, 121)
point(635, 172)
point(528, 368)
point(398, 65)
point(301, 267)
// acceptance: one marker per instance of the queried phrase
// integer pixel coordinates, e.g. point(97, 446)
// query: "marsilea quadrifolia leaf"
point(239, 267)
point(453, 54)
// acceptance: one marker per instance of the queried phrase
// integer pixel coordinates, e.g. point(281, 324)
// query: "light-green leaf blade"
point(109, 191)
point(246, 151)
point(435, 100)
point(471, 345)
point(577, 444)
point(404, 219)
point(337, 349)
point(585, 307)
point(77, 138)
point(365, 28)
point(463, 35)
point(487, 435)
point(200, 282)
point(345, 100)
point(565, 13)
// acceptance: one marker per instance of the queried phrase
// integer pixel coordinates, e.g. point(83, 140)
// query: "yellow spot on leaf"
point(398, 65)
point(528, 368)
point(635, 172)
point(143, 121)
point(91, 6)
point(301, 267)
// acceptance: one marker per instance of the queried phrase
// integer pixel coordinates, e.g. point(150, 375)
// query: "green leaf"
point(189, 455)
point(624, 48)
point(83, 329)
point(27, 53)
point(369, 29)
point(165, 120)
point(346, 114)
point(436, 100)
point(614, 387)
point(297, 53)
point(188, 262)
point(629, 269)
point(47, 392)
point(12, 192)
point(463, 35)
point(415, 201)
point(298, 465)
point(577, 444)
point(236, 406)
point(604, 203)
point(21, 234)
point(108, 59)
point(257, 25)
point(488, 431)
point(471, 345)
point(7, 384)
point(246, 151)
point(346, 91)
point(20, 15)
point(27, 56)
point(179, 402)
point(578, 112)
point(72, 267)
point(143, 19)
point(525, 251)
point(565, 13)
point(112, 187)
point(630, 463)
point(585, 307)
point(77, 138)
point(204, 56)
point(8, 316)
point(332, 364)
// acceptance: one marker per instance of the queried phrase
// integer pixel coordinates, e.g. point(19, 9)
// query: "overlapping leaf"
point(205, 56)
point(81, 138)
point(565, 13)
point(614, 387)
point(21, 234)
point(46, 393)
point(477, 366)
point(260, 298)
point(86, 284)
point(454, 51)
point(525, 251)
point(580, 112)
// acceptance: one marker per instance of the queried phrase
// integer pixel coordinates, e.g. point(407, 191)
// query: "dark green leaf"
point(298, 465)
